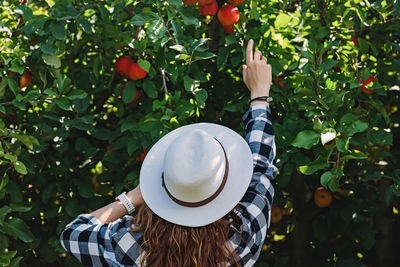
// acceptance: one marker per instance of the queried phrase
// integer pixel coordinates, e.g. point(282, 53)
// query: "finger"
point(244, 72)
point(266, 60)
point(269, 69)
point(257, 55)
point(249, 52)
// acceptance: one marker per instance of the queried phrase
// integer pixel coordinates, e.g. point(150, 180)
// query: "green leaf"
point(133, 145)
point(327, 65)
point(73, 207)
point(85, 187)
point(203, 55)
point(330, 179)
point(13, 86)
point(4, 211)
point(63, 103)
point(351, 263)
point(20, 167)
point(144, 17)
point(150, 89)
point(354, 154)
point(52, 60)
point(326, 177)
point(57, 29)
point(27, 140)
point(231, 39)
point(62, 82)
point(189, 18)
point(17, 66)
point(20, 207)
point(190, 84)
point(342, 144)
point(4, 181)
point(77, 94)
point(3, 85)
point(24, 11)
point(314, 166)
point(17, 228)
point(32, 95)
point(179, 48)
point(10, 157)
point(6, 256)
point(222, 57)
point(197, 44)
point(380, 136)
point(282, 20)
point(306, 139)
point(144, 64)
point(129, 92)
point(48, 49)
point(380, 107)
point(16, 262)
point(128, 123)
point(201, 95)
point(86, 25)
point(357, 127)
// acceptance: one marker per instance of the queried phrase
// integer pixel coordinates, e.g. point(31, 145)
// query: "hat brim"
point(240, 173)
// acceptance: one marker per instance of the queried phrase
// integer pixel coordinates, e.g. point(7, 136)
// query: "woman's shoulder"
point(127, 245)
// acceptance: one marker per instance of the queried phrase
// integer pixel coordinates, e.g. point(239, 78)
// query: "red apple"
point(122, 65)
point(366, 90)
point(363, 88)
point(370, 79)
point(189, 2)
point(135, 72)
point(235, 2)
point(228, 15)
point(355, 40)
point(142, 156)
point(208, 10)
point(279, 81)
point(25, 79)
point(230, 29)
point(206, 2)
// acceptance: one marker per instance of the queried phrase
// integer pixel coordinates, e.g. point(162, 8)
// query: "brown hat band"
point(207, 200)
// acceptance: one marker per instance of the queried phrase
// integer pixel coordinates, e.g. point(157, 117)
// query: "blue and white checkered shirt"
point(113, 244)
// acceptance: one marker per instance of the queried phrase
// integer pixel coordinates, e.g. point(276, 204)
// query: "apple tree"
point(87, 87)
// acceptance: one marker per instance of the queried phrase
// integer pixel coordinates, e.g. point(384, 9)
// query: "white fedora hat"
point(196, 174)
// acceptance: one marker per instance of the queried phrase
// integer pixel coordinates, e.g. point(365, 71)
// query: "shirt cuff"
point(257, 111)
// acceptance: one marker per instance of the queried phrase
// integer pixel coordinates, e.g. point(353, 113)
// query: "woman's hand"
point(257, 73)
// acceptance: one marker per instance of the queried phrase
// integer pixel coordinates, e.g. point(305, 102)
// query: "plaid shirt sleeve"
point(102, 244)
point(255, 206)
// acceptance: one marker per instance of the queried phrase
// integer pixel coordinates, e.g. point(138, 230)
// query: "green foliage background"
point(70, 143)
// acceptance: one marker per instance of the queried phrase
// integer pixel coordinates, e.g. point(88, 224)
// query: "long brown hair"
point(169, 245)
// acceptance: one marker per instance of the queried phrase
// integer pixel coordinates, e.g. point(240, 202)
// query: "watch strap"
point(262, 98)
point(126, 202)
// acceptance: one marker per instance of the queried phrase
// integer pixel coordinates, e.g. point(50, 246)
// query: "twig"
point(164, 80)
point(166, 26)
point(6, 103)
point(338, 160)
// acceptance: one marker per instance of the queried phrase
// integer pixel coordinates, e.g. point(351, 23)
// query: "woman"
point(204, 198)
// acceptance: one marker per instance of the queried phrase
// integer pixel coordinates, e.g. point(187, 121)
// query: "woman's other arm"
point(256, 204)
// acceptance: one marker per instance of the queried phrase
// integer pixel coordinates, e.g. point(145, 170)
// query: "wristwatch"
point(268, 99)
point(126, 202)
